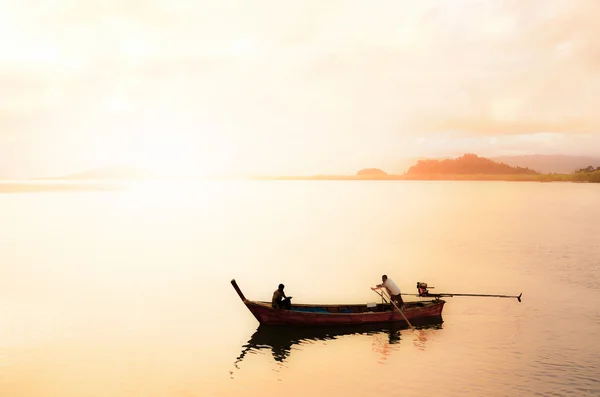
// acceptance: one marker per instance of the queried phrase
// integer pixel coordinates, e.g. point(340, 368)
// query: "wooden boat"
point(340, 314)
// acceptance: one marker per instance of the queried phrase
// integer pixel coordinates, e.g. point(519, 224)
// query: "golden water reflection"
point(282, 340)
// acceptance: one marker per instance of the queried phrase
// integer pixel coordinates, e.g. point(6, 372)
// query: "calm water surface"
point(126, 292)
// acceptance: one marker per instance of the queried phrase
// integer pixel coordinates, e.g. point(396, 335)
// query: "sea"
point(125, 290)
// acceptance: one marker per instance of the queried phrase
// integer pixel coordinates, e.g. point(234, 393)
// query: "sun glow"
point(176, 157)
point(165, 157)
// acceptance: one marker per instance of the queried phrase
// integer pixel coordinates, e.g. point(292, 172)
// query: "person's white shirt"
point(391, 286)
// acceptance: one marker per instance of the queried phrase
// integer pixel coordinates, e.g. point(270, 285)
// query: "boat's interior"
point(371, 307)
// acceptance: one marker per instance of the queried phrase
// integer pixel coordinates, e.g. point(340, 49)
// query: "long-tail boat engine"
point(422, 288)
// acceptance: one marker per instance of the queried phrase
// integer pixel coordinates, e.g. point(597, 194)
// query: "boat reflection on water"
point(282, 339)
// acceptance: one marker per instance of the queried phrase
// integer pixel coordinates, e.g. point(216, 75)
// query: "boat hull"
point(422, 311)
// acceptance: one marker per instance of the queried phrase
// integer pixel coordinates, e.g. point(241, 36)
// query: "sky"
point(281, 87)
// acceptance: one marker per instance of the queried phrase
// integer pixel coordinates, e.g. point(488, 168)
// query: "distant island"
point(472, 167)
point(468, 164)
point(468, 167)
point(372, 172)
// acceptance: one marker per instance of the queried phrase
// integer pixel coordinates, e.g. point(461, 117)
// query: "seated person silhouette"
point(280, 301)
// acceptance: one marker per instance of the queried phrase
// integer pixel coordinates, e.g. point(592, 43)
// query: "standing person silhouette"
point(392, 290)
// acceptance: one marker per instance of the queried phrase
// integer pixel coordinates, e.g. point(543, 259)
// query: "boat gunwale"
point(267, 305)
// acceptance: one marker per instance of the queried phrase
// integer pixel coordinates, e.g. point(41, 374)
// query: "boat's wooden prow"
point(238, 290)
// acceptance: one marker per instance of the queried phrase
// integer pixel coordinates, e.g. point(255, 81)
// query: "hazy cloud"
point(361, 79)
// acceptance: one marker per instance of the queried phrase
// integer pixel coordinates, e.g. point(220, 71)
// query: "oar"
point(394, 303)
point(492, 296)
point(383, 300)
